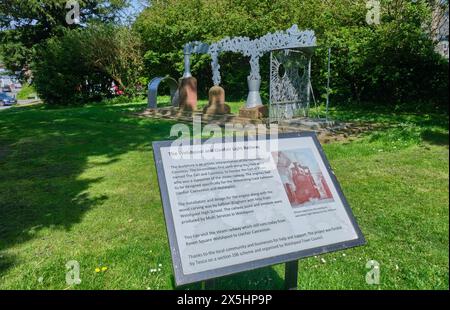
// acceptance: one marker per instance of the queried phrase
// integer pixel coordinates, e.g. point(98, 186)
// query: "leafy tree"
point(81, 64)
point(26, 23)
point(114, 51)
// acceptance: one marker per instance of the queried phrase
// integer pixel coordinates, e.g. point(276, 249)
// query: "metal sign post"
point(290, 278)
point(291, 275)
point(209, 285)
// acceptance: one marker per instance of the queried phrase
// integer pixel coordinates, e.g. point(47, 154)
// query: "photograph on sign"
point(302, 179)
point(239, 205)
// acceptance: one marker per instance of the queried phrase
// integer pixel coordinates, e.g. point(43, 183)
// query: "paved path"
point(21, 102)
point(28, 101)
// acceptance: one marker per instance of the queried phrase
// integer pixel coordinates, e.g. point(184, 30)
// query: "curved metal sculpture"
point(153, 90)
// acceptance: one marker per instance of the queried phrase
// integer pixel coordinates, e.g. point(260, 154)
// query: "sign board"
point(235, 206)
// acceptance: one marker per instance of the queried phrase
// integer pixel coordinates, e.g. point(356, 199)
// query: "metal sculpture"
point(291, 38)
point(153, 90)
point(195, 47)
point(289, 83)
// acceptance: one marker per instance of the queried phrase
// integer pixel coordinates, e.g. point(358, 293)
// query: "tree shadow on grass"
point(435, 137)
point(265, 278)
point(43, 153)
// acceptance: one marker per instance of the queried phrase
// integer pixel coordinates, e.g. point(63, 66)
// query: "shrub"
point(26, 91)
point(81, 65)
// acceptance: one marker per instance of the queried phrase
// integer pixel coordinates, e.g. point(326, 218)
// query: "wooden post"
point(291, 275)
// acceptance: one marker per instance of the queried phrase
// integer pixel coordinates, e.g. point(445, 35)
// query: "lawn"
point(26, 92)
point(79, 183)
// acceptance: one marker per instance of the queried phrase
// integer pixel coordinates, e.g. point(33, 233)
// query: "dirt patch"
point(346, 132)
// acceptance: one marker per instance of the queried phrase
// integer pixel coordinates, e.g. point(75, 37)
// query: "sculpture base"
point(216, 102)
point(217, 109)
point(187, 94)
point(258, 112)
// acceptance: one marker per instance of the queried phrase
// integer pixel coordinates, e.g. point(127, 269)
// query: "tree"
point(81, 64)
point(26, 23)
point(114, 51)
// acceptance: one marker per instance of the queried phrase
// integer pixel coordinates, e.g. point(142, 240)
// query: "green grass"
point(79, 183)
point(25, 92)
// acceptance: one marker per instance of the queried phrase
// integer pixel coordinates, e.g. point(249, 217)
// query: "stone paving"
point(327, 131)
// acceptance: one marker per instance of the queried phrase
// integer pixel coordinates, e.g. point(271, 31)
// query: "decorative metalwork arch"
point(292, 38)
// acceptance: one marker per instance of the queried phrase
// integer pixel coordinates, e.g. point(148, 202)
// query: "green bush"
point(81, 65)
point(26, 91)
point(391, 62)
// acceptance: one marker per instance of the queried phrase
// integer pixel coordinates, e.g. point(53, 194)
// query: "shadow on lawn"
point(436, 137)
point(259, 279)
point(44, 151)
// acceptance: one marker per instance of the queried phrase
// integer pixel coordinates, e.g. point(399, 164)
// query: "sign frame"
point(182, 279)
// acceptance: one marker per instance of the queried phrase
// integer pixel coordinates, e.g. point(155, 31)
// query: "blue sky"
point(136, 6)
